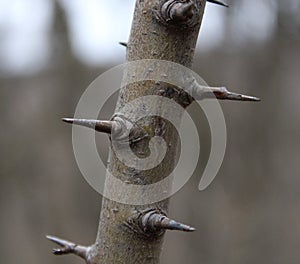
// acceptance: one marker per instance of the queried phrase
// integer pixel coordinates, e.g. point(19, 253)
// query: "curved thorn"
point(100, 126)
point(217, 2)
point(123, 44)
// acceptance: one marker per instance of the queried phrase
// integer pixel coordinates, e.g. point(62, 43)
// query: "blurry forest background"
point(250, 213)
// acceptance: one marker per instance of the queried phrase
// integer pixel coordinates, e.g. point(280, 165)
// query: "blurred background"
point(50, 51)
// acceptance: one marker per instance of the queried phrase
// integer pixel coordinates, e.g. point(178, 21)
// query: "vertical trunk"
point(119, 240)
point(131, 230)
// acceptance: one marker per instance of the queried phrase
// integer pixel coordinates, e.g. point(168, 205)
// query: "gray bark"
point(118, 240)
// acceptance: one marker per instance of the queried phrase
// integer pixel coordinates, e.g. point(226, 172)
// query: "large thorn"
point(154, 221)
point(100, 126)
point(119, 128)
point(222, 93)
point(68, 247)
point(200, 92)
point(217, 2)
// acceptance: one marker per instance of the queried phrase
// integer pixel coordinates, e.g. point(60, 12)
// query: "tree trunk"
point(130, 233)
point(150, 39)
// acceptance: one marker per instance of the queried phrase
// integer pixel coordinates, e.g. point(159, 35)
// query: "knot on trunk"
point(178, 13)
point(153, 223)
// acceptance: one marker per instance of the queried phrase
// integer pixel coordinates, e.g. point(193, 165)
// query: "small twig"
point(217, 2)
point(68, 247)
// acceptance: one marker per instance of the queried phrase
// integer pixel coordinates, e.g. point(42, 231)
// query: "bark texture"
point(121, 236)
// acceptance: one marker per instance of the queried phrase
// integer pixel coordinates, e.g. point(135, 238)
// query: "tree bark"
point(119, 240)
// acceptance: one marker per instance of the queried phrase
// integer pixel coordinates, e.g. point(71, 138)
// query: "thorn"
point(100, 126)
point(222, 93)
point(155, 221)
point(68, 120)
point(57, 240)
point(123, 44)
point(68, 247)
point(170, 224)
point(218, 3)
point(200, 92)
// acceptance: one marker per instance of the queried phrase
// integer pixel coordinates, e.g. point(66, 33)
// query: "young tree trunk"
point(119, 241)
point(161, 30)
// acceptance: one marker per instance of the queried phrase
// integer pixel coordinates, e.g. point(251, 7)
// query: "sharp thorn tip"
point(241, 97)
point(173, 225)
point(123, 43)
point(51, 238)
point(218, 3)
point(68, 120)
point(185, 228)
